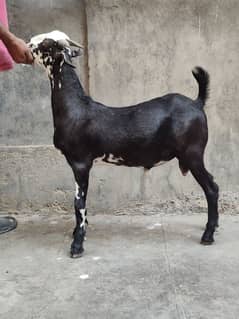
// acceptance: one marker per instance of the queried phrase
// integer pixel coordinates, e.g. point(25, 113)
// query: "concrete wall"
point(136, 50)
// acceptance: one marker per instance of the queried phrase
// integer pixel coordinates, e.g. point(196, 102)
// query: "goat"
point(142, 135)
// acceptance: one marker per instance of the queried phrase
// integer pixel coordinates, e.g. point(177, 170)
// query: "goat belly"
point(111, 159)
point(124, 160)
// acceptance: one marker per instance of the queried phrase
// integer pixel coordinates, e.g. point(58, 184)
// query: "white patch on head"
point(54, 35)
point(38, 57)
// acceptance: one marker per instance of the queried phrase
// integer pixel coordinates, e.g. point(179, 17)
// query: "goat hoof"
point(207, 239)
point(207, 243)
point(77, 254)
point(76, 251)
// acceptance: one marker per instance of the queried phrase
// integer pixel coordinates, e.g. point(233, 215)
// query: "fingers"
point(19, 51)
point(18, 57)
point(28, 57)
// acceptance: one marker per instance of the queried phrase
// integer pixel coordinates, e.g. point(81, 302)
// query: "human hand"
point(19, 50)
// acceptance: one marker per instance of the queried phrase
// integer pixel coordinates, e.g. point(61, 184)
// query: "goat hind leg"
point(211, 190)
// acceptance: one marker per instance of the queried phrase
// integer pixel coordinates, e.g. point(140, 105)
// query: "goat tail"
point(203, 79)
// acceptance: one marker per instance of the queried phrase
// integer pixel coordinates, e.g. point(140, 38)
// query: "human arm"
point(17, 48)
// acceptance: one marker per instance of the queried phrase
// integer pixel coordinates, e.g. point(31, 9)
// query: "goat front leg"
point(81, 173)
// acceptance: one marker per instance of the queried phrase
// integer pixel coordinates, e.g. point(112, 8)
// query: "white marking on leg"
point(82, 212)
point(77, 191)
point(59, 85)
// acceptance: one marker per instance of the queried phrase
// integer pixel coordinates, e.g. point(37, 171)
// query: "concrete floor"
point(134, 267)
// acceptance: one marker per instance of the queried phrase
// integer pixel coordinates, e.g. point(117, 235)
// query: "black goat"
point(141, 135)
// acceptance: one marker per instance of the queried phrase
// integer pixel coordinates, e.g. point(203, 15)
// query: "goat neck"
point(68, 95)
point(64, 79)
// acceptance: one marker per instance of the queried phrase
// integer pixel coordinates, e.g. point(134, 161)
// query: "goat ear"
point(67, 60)
point(75, 53)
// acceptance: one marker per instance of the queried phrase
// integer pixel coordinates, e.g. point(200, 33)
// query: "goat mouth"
point(30, 46)
point(34, 60)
